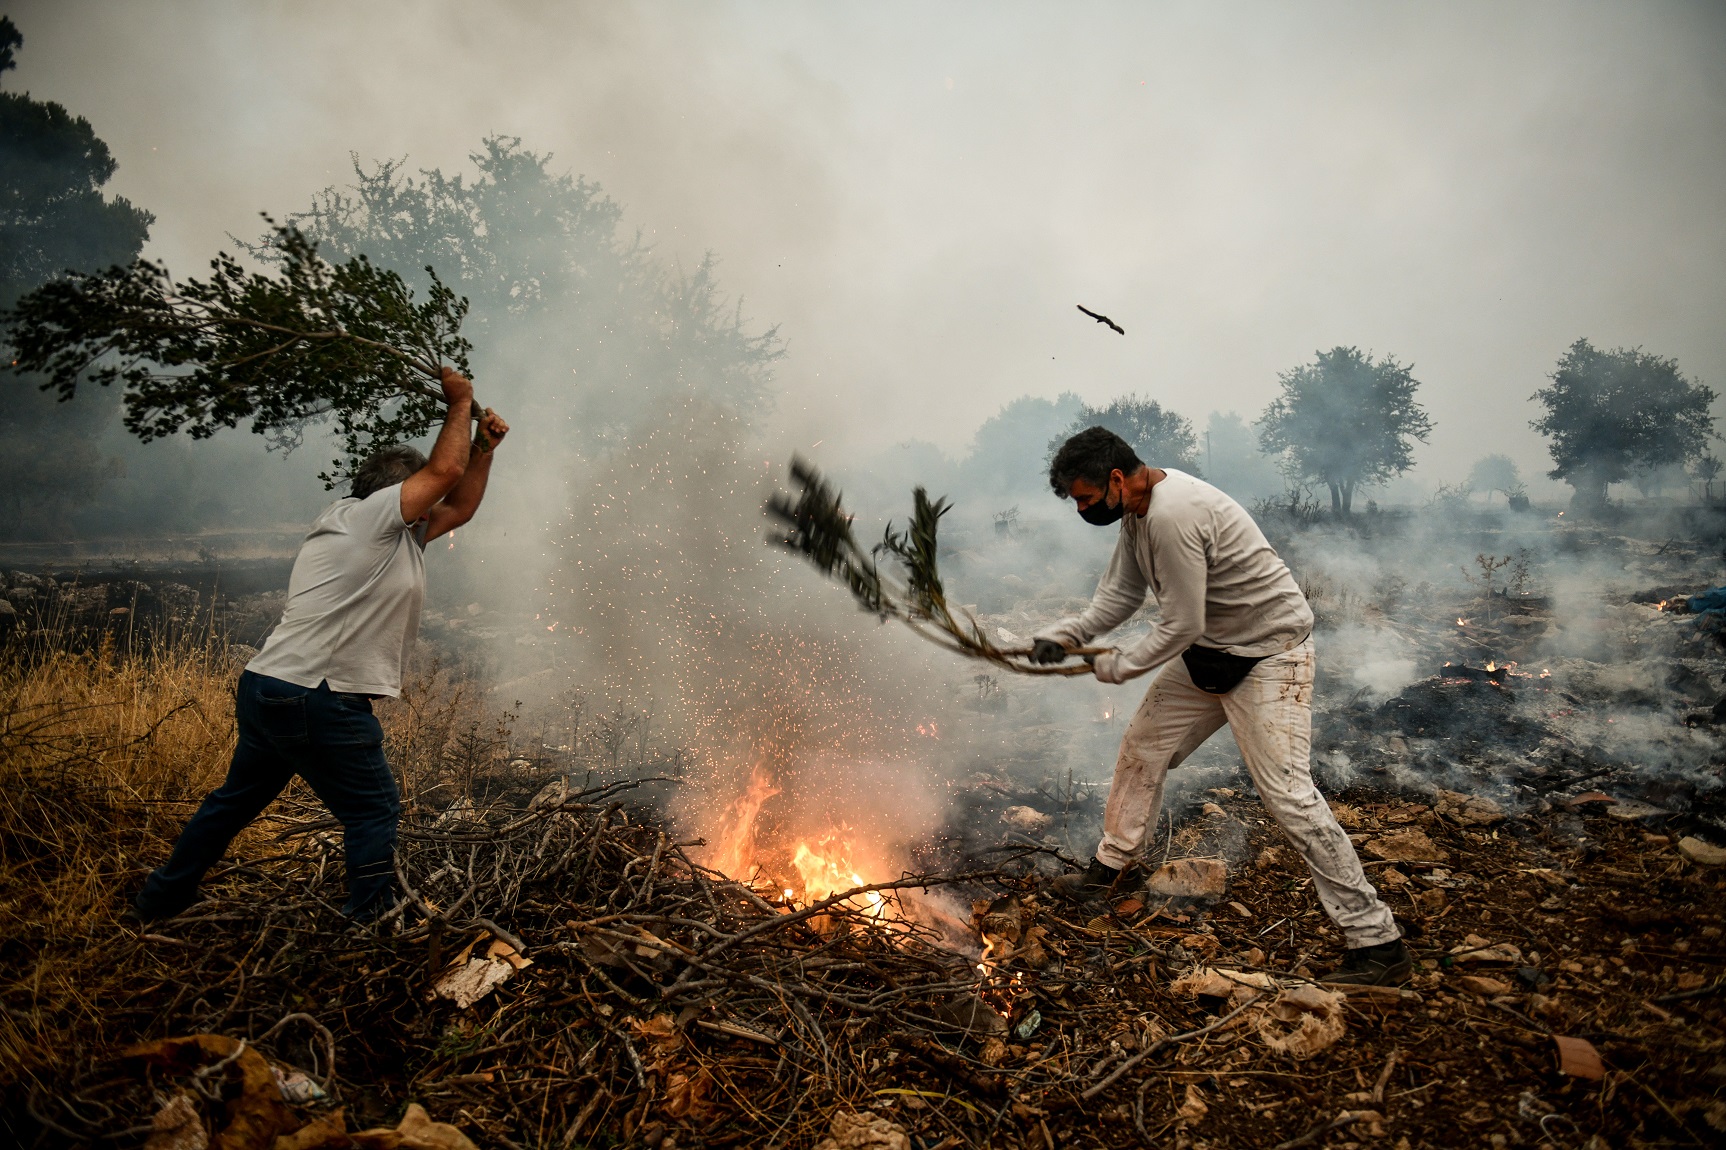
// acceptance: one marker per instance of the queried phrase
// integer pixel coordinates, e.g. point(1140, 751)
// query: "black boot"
point(155, 903)
point(1092, 885)
point(1387, 964)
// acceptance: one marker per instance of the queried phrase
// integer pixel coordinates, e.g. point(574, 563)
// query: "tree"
point(1495, 473)
point(579, 325)
point(1233, 461)
point(1612, 414)
point(1161, 437)
point(1705, 471)
point(53, 218)
point(1007, 458)
point(318, 342)
point(1345, 420)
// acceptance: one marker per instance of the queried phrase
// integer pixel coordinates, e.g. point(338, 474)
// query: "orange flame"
point(828, 870)
point(735, 854)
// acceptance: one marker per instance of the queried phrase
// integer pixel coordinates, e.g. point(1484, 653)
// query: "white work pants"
point(1270, 713)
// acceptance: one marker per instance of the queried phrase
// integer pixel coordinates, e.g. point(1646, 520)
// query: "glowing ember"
point(1462, 622)
point(735, 854)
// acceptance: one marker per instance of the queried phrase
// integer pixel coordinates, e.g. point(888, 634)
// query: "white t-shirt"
point(353, 600)
point(1217, 579)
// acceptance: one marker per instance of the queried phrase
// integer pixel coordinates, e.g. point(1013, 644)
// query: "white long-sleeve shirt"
point(1215, 575)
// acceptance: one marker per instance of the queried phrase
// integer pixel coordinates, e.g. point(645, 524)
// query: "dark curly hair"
point(386, 468)
point(1091, 455)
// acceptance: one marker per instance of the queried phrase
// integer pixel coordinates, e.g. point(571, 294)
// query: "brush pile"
point(629, 984)
point(560, 972)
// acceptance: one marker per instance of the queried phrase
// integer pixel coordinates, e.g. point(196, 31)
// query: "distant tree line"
point(1347, 420)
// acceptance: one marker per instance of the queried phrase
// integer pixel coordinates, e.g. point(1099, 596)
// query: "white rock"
point(1190, 878)
point(1701, 853)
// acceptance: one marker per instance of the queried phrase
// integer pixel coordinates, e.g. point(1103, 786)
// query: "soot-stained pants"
point(1270, 713)
point(328, 738)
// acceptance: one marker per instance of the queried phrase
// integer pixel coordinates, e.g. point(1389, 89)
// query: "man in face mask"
point(1233, 646)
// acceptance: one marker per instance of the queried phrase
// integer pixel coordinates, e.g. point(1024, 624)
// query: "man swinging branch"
point(1234, 645)
point(304, 704)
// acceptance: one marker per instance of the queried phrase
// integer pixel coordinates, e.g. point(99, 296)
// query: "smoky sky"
point(919, 194)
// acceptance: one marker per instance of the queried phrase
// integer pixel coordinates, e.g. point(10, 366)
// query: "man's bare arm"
point(464, 498)
point(449, 457)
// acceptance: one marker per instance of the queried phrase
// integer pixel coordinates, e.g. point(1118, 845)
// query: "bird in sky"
point(1119, 330)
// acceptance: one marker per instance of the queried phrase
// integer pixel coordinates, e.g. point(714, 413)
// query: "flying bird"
point(1119, 330)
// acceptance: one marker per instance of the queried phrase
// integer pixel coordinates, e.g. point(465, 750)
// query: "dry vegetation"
point(664, 1005)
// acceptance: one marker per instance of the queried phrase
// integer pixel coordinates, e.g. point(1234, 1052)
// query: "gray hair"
point(386, 468)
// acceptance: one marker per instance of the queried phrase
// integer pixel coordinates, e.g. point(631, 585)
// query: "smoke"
point(916, 198)
point(919, 196)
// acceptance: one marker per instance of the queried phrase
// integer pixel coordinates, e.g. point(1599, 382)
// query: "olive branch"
point(817, 526)
point(318, 341)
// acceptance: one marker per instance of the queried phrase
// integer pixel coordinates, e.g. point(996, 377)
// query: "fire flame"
point(736, 852)
point(1491, 666)
point(1461, 622)
point(828, 870)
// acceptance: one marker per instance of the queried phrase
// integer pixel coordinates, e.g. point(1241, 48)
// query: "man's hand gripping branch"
point(448, 489)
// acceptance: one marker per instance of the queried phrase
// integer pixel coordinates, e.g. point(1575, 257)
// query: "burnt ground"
point(1563, 890)
point(629, 1029)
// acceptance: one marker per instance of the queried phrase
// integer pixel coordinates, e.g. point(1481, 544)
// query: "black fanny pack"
point(1217, 672)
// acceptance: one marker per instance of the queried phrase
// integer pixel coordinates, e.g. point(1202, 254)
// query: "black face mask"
point(1100, 514)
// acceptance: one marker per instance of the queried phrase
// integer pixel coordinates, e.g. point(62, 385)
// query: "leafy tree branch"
point(817, 526)
point(315, 342)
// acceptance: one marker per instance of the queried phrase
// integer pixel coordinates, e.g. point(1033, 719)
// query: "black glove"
point(1047, 651)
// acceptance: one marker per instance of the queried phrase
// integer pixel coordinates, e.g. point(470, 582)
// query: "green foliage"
point(53, 217)
point(1611, 414)
point(1495, 473)
point(10, 39)
point(1705, 470)
point(1008, 454)
point(319, 341)
point(917, 551)
point(560, 299)
point(1162, 438)
point(1345, 420)
point(817, 526)
point(52, 212)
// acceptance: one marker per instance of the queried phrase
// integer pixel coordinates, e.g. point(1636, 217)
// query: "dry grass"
point(101, 755)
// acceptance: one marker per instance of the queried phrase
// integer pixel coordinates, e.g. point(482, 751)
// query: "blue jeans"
point(329, 739)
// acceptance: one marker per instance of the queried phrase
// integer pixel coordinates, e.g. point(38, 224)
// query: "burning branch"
point(819, 528)
point(319, 341)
